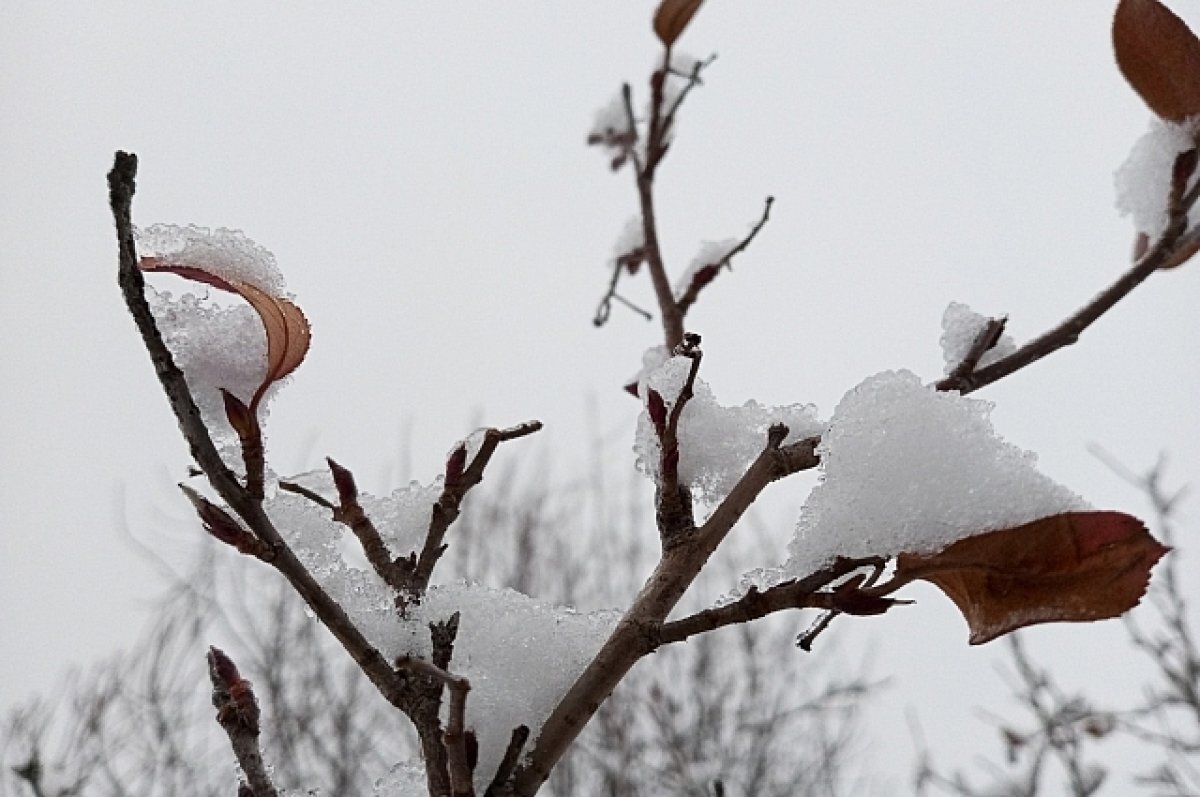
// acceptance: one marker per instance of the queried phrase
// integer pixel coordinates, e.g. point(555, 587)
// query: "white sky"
point(419, 171)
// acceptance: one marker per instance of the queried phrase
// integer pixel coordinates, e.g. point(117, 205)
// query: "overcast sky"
point(420, 173)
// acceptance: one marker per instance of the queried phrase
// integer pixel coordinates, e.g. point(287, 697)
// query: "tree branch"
point(636, 633)
point(351, 513)
point(673, 500)
point(122, 185)
point(672, 318)
point(1165, 253)
point(797, 594)
point(704, 276)
point(508, 764)
point(459, 481)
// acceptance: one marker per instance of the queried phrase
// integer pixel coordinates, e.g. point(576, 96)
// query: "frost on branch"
point(619, 136)
point(705, 265)
point(716, 443)
point(908, 469)
point(630, 245)
point(520, 655)
point(961, 327)
point(1144, 181)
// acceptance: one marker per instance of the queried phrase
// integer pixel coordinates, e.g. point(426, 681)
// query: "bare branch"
point(657, 147)
point(350, 512)
point(604, 309)
point(635, 634)
point(311, 495)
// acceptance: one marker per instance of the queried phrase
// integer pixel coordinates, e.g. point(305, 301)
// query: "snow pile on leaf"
point(716, 443)
point(224, 253)
point(961, 327)
point(244, 350)
point(907, 469)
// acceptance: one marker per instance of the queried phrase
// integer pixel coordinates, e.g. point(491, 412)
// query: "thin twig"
point(1162, 254)
point(350, 512)
point(301, 490)
point(984, 342)
point(508, 764)
point(693, 80)
point(455, 736)
point(704, 276)
point(796, 594)
point(449, 504)
point(672, 320)
point(604, 309)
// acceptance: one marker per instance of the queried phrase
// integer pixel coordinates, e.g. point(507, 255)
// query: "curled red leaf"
point(1073, 567)
point(287, 330)
point(1160, 57)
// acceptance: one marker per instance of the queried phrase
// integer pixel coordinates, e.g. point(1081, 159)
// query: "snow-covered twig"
point(1164, 254)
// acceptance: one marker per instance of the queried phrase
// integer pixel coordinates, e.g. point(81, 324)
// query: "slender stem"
point(798, 594)
point(449, 504)
point(672, 318)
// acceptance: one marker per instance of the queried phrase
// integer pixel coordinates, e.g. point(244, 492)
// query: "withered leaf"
point(1160, 57)
point(672, 17)
point(1073, 567)
point(288, 332)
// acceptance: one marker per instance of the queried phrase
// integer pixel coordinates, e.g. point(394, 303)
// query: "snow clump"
point(961, 327)
point(222, 252)
point(519, 654)
point(908, 469)
point(716, 443)
point(1144, 181)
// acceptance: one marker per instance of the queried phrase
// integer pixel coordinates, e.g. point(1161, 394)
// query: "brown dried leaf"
point(1073, 567)
point(672, 17)
point(288, 331)
point(1160, 57)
